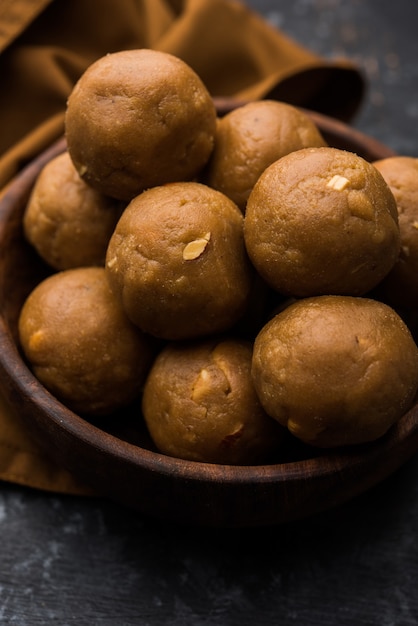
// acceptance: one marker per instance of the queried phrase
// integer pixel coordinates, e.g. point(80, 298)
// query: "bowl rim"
point(21, 380)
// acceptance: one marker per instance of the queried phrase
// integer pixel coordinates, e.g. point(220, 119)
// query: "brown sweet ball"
point(68, 222)
point(252, 137)
point(322, 221)
point(80, 344)
point(400, 287)
point(199, 404)
point(177, 261)
point(336, 370)
point(137, 119)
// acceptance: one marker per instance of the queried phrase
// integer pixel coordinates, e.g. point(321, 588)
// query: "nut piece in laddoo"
point(322, 221)
point(252, 137)
point(400, 287)
point(80, 344)
point(336, 370)
point(199, 404)
point(68, 222)
point(177, 261)
point(136, 119)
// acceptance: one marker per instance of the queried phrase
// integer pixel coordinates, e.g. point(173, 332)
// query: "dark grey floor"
point(72, 561)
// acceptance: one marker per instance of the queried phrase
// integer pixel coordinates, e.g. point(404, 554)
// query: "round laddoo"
point(177, 261)
point(250, 138)
point(80, 344)
point(68, 222)
point(322, 221)
point(336, 370)
point(400, 287)
point(137, 119)
point(199, 404)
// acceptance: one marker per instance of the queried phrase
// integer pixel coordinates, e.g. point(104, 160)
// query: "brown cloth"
point(45, 45)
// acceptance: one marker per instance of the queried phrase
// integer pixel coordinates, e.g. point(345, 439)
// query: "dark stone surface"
point(68, 560)
point(378, 35)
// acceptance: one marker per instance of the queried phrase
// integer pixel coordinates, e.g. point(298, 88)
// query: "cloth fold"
point(45, 45)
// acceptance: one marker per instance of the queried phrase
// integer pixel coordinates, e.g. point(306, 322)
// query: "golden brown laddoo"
point(336, 370)
point(80, 344)
point(400, 286)
point(250, 138)
point(177, 261)
point(137, 119)
point(68, 222)
point(199, 404)
point(322, 221)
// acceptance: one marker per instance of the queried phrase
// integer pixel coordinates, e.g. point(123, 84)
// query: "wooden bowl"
point(120, 462)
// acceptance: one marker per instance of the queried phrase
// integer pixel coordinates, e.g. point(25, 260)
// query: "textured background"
point(378, 35)
point(71, 561)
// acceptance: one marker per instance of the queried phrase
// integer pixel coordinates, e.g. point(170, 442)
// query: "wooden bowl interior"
point(117, 457)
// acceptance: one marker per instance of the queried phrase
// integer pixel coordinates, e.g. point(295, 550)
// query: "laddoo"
point(250, 138)
point(80, 344)
point(336, 370)
point(322, 221)
point(400, 287)
point(137, 119)
point(68, 222)
point(199, 404)
point(177, 261)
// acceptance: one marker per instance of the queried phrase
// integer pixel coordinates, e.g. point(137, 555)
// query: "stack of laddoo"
point(239, 277)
